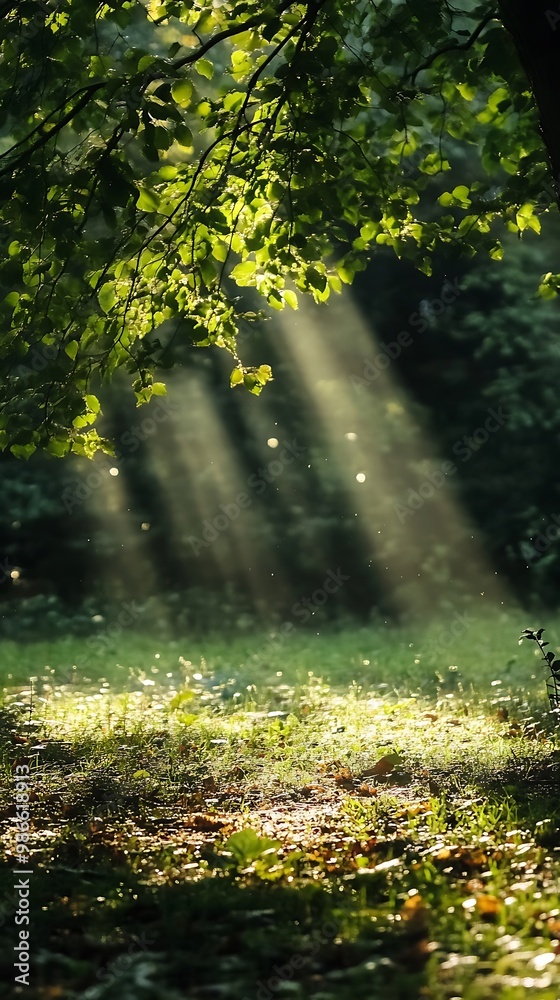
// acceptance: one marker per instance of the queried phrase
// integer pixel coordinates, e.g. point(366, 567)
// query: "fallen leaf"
point(514, 730)
point(204, 822)
point(415, 914)
point(367, 790)
point(344, 778)
point(382, 768)
point(554, 927)
point(488, 906)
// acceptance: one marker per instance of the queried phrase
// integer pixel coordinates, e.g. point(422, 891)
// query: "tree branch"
point(44, 137)
point(461, 46)
point(221, 36)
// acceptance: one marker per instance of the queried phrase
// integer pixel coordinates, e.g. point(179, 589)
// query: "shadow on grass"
point(104, 933)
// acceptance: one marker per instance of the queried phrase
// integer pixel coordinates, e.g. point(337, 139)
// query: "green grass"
point(405, 816)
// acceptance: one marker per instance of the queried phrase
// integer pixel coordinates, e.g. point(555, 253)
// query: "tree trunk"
point(535, 28)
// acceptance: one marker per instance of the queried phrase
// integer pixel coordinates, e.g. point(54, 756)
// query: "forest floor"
point(351, 815)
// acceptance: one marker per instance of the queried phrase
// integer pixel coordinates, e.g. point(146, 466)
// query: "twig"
point(452, 48)
point(553, 664)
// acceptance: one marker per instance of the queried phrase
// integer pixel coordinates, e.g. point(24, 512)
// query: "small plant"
point(246, 853)
point(553, 664)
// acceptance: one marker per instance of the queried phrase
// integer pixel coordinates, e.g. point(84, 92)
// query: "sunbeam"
point(415, 533)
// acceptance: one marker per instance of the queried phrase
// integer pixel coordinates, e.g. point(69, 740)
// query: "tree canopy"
point(157, 159)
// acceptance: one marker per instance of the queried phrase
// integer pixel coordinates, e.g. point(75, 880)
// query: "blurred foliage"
point(82, 550)
point(46, 616)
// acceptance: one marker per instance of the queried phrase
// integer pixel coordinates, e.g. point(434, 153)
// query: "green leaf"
point(204, 68)
point(184, 136)
point(181, 698)
point(145, 62)
point(182, 92)
point(316, 279)
point(526, 218)
point(264, 374)
point(92, 403)
point(58, 447)
point(243, 272)
point(71, 349)
point(107, 296)
point(233, 100)
point(236, 377)
point(461, 193)
point(291, 298)
point(220, 252)
point(186, 718)
point(23, 450)
point(466, 91)
point(246, 846)
point(369, 230)
point(148, 201)
point(143, 395)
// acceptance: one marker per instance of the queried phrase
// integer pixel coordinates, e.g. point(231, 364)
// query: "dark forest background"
point(72, 552)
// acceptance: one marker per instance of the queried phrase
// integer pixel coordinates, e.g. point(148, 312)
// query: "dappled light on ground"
point(199, 830)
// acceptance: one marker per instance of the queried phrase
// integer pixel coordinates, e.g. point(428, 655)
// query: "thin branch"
point(461, 46)
point(45, 137)
point(236, 29)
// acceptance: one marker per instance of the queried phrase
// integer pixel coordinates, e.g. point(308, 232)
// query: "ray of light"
point(212, 508)
point(128, 574)
point(411, 522)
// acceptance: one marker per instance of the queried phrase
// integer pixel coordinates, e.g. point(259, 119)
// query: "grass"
point(355, 814)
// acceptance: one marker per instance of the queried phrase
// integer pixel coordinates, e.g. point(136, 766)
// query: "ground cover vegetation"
point(200, 831)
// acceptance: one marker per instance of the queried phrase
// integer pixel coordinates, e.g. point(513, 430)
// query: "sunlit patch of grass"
point(406, 814)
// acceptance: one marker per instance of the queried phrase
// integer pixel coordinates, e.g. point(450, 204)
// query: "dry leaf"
point(488, 906)
point(415, 914)
point(344, 778)
point(383, 767)
point(366, 789)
